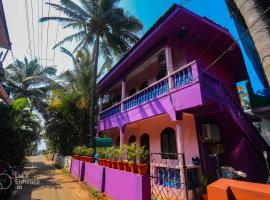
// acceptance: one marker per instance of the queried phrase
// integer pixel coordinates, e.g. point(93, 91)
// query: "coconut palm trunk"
point(93, 97)
point(257, 18)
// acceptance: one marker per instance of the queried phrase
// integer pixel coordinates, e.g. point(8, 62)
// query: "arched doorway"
point(132, 139)
point(168, 144)
point(145, 141)
point(117, 142)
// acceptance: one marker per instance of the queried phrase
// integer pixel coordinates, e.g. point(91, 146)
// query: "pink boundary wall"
point(118, 184)
point(77, 169)
point(93, 175)
point(122, 185)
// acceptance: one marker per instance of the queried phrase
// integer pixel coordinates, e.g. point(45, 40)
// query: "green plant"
point(115, 153)
point(143, 154)
point(131, 153)
point(95, 194)
point(109, 153)
point(88, 151)
point(102, 152)
point(77, 150)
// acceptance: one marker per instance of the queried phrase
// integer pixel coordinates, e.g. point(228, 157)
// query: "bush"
point(83, 151)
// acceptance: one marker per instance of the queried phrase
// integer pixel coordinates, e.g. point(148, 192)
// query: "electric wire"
point(41, 33)
point(28, 29)
point(47, 44)
point(33, 28)
point(38, 31)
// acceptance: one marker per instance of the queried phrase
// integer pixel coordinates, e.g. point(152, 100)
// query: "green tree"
point(103, 25)
point(30, 80)
point(20, 129)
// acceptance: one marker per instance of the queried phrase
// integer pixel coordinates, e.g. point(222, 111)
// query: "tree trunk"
point(258, 23)
point(93, 98)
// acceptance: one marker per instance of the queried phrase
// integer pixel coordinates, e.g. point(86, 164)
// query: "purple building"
point(175, 93)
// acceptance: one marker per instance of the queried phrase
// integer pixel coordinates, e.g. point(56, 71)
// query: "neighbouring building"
point(5, 45)
point(171, 95)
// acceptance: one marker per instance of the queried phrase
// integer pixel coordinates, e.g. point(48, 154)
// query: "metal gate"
point(168, 176)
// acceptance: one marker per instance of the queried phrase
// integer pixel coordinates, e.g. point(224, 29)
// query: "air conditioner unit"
point(210, 133)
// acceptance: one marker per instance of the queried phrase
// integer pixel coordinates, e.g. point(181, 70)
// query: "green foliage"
point(95, 194)
point(102, 152)
point(28, 79)
point(142, 154)
point(83, 151)
point(132, 152)
point(19, 131)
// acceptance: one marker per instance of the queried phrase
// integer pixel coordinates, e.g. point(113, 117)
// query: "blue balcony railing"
point(111, 111)
point(152, 92)
point(183, 77)
point(178, 79)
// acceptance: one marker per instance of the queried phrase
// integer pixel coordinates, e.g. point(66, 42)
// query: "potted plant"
point(120, 163)
point(132, 157)
point(88, 154)
point(109, 156)
point(143, 155)
point(114, 157)
point(102, 155)
point(76, 152)
point(204, 188)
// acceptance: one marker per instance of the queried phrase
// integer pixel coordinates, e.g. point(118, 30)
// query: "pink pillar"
point(122, 136)
point(123, 95)
point(169, 64)
point(180, 149)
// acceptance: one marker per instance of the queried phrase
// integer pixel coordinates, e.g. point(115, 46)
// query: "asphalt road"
point(42, 181)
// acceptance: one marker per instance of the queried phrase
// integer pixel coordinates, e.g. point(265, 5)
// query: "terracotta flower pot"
point(105, 161)
point(120, 165)
point(89, 159)
point(126, 166)
point(114, 164)
point(142, 169)
point(100, 161)
point(133, 168)
point(109, 163)
point(204, 197)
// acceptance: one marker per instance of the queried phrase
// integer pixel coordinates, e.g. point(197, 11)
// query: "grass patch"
point(65, 171)
point(95, 194)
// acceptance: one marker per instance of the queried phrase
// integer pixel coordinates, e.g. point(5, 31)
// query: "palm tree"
point(30, 80)
point(103, 25)
point(256, 17)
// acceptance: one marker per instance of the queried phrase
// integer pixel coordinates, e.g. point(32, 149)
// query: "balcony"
point(159, 96)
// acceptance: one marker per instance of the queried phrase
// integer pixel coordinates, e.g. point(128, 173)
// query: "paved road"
point(49, 183)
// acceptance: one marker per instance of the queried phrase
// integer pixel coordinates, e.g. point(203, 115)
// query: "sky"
point(148, 11)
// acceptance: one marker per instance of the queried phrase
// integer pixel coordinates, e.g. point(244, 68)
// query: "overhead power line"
point(28, 28)
point(33, 28)
point(48, 33)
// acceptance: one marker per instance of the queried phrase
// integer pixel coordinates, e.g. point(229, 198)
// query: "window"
point(144, 85)
point(132, 139)
point(117, 142)
point(168, 144)
point(145, 143)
